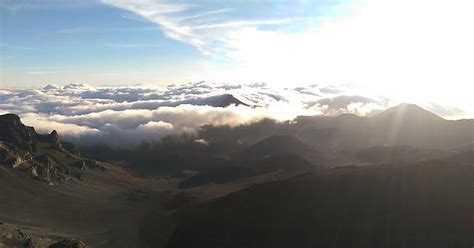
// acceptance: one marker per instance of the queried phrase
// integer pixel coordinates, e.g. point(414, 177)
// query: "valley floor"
point(106, 209)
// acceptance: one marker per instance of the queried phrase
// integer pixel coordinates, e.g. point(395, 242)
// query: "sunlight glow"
point(402, 49)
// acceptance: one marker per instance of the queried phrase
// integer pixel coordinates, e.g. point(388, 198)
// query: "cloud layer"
point(126, 115)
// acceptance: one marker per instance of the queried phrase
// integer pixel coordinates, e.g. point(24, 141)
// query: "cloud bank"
point(125, 115)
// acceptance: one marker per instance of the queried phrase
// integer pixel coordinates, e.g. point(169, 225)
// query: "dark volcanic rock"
point(69, 243)
point(46, 168)
point(30, 244)
point(13, 161)
point(70, 147)
point(52, 138)
point(16, 238)
point(42, 157)
point(14, 133)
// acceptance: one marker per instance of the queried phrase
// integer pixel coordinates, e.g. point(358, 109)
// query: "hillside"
point(236, 169)
point(276, 144)
point(50, 194)
point(257, 185)
point(397, 154)
point(421, 205)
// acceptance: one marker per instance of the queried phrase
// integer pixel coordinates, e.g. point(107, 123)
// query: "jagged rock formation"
point(13, 133)
point(52, 138)
point(43, 157)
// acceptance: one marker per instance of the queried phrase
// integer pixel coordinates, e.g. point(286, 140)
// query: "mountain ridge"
point(407, 109)
point(402, 125)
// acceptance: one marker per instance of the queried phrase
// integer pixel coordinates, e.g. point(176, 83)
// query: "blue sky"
point(110, 42)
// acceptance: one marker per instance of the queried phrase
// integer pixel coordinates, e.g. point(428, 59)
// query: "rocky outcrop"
point(14, 161)
point(69, 243)
point(14, 133)
point(16, 238)
point(10, 158)
point(45, 168)
point(12, 235)
point(52, 139)
point(43, 157)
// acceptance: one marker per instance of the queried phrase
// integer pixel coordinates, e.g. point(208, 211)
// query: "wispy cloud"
point(205, 14)
point(177, 24)
point(252, 23)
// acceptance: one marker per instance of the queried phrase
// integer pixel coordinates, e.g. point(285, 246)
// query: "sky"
point(416, 51)
point(123, 42)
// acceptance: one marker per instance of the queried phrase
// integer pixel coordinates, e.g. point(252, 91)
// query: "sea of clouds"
point(126, 115)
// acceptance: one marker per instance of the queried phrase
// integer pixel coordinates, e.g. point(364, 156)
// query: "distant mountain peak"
point(229, 99)
point(409, 107)
point(407, 111)
point(223, 100)
point(50, 87)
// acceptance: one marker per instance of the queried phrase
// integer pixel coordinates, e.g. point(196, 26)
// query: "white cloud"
point(241, 24)
point(129, 114)
point(204, 14)
point(209, 37)
point(44, 124)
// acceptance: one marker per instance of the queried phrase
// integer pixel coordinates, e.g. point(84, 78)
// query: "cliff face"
point(16, 135)
point(40, 156)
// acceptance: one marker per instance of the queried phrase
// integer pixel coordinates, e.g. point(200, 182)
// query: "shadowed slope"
point(424, 205)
